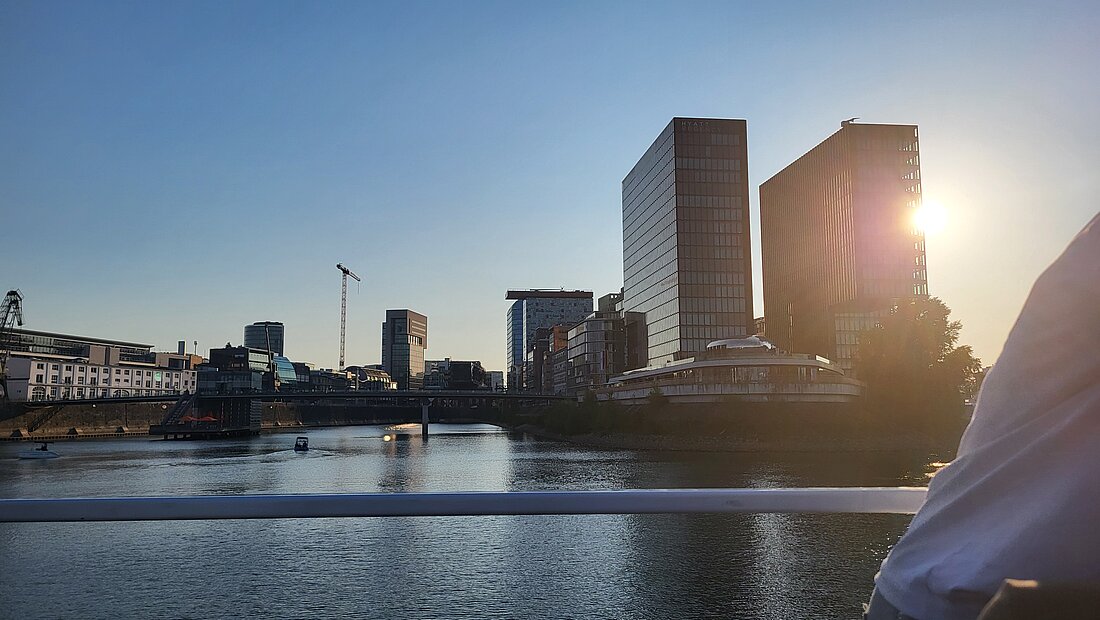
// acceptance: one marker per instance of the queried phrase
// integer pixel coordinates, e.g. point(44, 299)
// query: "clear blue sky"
point(176, 170)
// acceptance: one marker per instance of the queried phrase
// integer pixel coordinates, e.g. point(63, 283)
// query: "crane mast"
point(11, 316)
point(344, 305)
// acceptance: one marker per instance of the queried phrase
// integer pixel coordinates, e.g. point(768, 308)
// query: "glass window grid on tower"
point(685, 238)
point(838, 242)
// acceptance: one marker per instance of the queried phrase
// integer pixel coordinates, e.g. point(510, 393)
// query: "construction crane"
point(11, 316)
point(344, 305)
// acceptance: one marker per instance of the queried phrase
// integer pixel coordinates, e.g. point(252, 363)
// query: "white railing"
point(898, 500)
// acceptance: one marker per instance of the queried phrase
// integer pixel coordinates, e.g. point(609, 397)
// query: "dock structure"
point(210, 418)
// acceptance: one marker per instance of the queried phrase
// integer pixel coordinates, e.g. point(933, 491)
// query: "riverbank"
point(724, 427)
point(665, 443)
point(736, 427)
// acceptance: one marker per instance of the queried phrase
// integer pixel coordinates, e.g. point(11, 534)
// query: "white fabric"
point(1022, 499)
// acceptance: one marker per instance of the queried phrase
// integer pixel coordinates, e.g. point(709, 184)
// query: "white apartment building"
point(44, 367)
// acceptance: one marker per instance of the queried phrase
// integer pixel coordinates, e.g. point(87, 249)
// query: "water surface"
point(622, 566)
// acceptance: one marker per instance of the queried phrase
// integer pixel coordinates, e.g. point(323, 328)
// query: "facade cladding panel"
point(686, 259)
point(837, 239)
point(404, 339)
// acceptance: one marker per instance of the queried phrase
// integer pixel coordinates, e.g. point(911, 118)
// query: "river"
point(616, 566)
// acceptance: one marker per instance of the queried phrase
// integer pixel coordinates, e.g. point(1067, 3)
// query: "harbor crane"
point(11, 316)
point(344, 305)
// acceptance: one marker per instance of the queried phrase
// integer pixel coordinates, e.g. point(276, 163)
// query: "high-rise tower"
point(404, 339)
point(838, 240)
point(687, 268)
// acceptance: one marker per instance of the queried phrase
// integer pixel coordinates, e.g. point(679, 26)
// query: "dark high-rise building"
point(687, 268)
point(258, 335)
point(532, 310)
point(404, 339)
point(838, 240)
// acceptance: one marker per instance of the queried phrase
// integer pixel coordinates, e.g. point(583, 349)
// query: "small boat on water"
point(301, 444)
point(39, 453)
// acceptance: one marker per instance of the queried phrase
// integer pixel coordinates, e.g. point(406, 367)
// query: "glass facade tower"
point(838, 241)
point(687, 269)
point(258, 335)
point(404, 339)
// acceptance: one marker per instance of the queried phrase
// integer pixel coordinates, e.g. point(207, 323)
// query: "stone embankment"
point(71, 421)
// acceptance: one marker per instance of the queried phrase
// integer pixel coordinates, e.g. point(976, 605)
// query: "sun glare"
point(930, 218)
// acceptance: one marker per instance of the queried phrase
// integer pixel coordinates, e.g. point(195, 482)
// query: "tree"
point(915, 374)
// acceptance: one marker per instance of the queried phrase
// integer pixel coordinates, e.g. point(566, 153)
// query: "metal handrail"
point(896, 500)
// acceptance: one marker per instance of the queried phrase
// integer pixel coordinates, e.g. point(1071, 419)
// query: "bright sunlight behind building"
point(930, 218)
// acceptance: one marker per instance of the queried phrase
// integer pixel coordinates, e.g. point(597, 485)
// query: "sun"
point(930, 218)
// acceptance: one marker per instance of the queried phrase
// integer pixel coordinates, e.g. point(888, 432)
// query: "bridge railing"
point(896, 500)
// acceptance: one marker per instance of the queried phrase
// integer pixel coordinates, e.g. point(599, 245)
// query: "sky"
point(176, 170)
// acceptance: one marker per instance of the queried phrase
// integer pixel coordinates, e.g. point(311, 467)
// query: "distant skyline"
point(176, 171)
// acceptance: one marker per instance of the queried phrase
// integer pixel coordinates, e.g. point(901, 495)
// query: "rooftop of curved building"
point(750, 342)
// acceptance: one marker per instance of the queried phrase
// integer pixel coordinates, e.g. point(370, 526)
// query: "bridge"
point(213, 415)
point(209, 415)
point(440, 398)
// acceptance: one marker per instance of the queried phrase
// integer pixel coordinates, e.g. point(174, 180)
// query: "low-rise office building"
point(369, 379)
point(546, 364)
point(237, 370)
point(448, 374)
point(596, 351)
point(44, 366)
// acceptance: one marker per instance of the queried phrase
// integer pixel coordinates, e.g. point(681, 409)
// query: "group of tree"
point(916, 375)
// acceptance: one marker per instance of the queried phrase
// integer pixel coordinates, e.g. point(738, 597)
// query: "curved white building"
point(742, 369)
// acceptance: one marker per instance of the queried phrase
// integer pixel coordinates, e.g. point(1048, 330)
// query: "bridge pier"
point(424, 402)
